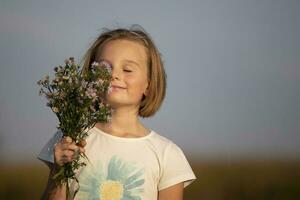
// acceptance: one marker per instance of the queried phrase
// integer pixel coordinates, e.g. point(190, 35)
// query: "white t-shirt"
point(126, 168)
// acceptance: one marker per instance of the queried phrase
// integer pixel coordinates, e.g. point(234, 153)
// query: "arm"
point(63, 153)
point(174, 192)
point(53, 190)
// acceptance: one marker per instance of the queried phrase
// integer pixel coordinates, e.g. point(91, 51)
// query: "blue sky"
point(233, 70)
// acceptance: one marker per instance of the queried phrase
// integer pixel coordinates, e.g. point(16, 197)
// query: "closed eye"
point(127, 70)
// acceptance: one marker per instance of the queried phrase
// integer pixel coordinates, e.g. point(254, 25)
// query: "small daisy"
point(123, 181)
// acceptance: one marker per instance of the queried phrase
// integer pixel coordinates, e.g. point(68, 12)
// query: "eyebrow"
point(100, 60)
point(133, 62)
point(126, 60)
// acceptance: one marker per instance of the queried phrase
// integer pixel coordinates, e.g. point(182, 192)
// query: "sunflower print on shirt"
point(123, 181)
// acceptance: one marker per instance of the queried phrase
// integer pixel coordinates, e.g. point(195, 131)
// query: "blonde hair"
point(156, 73)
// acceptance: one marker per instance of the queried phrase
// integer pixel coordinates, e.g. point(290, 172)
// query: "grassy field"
point(247, 179)
point(243, 180)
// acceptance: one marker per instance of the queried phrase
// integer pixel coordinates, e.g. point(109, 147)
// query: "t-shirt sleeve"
point(47, 152)
point(175, 169)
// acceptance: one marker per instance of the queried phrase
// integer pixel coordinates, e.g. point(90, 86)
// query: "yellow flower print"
point(111, 190)
point(122, 181)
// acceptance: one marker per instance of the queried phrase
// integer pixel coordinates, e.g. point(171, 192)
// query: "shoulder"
point(175, 167)
point(164, 143)
point(160, 139)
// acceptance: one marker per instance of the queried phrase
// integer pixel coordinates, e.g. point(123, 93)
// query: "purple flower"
point(70, 84)
point(106, 65)
point(91, 93)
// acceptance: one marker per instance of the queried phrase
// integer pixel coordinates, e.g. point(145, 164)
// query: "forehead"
point(122, 49)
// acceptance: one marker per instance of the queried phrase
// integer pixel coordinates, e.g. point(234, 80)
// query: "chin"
point(119, 104)
point(115, 100)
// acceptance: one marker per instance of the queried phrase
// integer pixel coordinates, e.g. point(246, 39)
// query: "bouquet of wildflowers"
point(77, 99)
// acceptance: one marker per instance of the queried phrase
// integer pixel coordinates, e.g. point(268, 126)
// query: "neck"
point(124, 122)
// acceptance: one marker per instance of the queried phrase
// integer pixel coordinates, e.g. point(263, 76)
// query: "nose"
point(115, 74)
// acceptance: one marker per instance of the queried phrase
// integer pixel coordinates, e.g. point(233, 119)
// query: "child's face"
point(129, 71)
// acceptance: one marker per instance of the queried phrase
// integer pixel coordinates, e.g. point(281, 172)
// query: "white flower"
point(95, 64)
point(68, 62)
point(84, 84)
point(55, 109)
point(109, 89)
point(99, 82)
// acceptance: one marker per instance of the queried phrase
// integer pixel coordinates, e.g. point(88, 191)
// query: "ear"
point(146, 93)
point(146, 90)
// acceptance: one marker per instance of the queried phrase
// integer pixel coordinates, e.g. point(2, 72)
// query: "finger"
point(82, 150)
point(82, 143)
point(66, 159)
point(64, 156)
point(68, 153)
point(63, 141)
point(68, 156)
point(67, 139)
point(62, 160)
point(72, 147)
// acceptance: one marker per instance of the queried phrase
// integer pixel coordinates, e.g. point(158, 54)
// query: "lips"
point(116, 86)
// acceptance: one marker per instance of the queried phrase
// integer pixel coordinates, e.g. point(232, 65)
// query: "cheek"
point(138, 86)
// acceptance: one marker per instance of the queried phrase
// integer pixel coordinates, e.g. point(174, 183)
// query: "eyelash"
point(127, 70)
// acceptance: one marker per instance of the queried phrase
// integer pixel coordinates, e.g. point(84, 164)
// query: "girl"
point(128, 161)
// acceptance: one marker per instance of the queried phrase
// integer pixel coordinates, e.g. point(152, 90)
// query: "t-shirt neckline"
point(123, 138)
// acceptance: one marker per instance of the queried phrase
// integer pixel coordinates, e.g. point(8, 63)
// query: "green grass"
point(22, 181)
point(248, 179)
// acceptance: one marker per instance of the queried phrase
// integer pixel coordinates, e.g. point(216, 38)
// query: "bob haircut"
point(155, 72)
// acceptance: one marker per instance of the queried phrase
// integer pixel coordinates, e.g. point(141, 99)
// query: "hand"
point(66, 150)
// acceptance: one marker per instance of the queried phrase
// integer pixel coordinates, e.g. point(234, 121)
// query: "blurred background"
point(232, 101)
